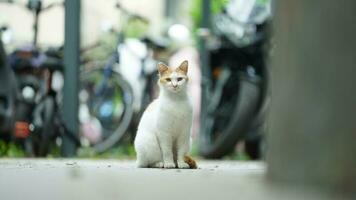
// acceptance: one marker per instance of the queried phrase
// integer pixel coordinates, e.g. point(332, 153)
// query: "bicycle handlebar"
point(52, 5)
point(27, 6)
point(131, 14)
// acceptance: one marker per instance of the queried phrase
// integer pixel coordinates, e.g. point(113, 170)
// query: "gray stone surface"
point(113, 179)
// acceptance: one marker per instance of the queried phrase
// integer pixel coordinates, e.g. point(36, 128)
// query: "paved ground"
point(112, 179)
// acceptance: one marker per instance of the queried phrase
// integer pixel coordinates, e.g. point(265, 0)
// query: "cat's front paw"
point(183, 165)
point(158, 165)
point(169, 165)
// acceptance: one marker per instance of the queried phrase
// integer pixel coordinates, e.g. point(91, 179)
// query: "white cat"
point(163, 135)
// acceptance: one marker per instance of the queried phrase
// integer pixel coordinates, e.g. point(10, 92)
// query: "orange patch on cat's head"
point(163, 69)
point(163, 72)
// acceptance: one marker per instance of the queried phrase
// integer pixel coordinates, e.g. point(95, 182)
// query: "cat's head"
point(173, 80)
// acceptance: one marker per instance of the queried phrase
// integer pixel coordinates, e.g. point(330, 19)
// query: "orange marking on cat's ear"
point(183, 68)
point(162, 68)
point(163, 72)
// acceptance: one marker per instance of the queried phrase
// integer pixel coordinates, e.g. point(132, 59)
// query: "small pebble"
point(72, 163)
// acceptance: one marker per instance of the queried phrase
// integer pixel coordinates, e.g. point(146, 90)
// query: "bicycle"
point(106, 97)
point(37, 120)
point(100, 126)
point(106, 100)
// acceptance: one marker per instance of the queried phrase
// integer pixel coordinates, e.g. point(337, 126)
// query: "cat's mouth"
point(175, 89)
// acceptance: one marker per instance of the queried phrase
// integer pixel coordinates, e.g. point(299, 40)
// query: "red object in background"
point(21, 129)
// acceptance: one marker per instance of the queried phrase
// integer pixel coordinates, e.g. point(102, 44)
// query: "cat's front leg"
point(183, 144)
point(167, 150)
point(168, 156)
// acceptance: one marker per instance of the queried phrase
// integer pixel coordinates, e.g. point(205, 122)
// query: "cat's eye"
point(180, 78)
point(168, 79)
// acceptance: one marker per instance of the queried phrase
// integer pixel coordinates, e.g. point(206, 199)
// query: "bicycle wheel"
point(105, 110)
point(228, 123)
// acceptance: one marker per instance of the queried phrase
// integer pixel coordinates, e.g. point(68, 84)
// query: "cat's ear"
point(162, 68)
point(184, 67)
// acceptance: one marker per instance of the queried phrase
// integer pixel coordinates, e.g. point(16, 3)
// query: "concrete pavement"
point(112, 179)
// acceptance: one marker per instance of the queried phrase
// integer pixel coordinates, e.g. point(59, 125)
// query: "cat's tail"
point(191, 162)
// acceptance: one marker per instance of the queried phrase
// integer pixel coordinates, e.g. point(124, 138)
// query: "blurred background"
point(78, 76)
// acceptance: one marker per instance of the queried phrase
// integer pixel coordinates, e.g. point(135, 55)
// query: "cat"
point(163, 134)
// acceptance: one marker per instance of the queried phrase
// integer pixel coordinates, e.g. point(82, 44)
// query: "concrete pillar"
point(312, 119)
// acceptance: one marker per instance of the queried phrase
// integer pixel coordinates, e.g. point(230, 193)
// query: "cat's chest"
point(177, 110)
point(175, 116)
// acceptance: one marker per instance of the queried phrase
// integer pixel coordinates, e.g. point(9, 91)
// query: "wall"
point(95, 14)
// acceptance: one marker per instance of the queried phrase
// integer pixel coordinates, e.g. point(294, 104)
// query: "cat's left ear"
point(162, 68)
point(184, 67)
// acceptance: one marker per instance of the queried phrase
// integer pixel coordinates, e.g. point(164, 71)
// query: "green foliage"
point(135, 28)
point(54, 152)
point(215, 7)
point(261, 1)
point(123, 151)
point(196, 7)
point(194, 150)
point(85, 152)
point(242, 156)
point(10, 150)
point(3, 148)
point(106, 45)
